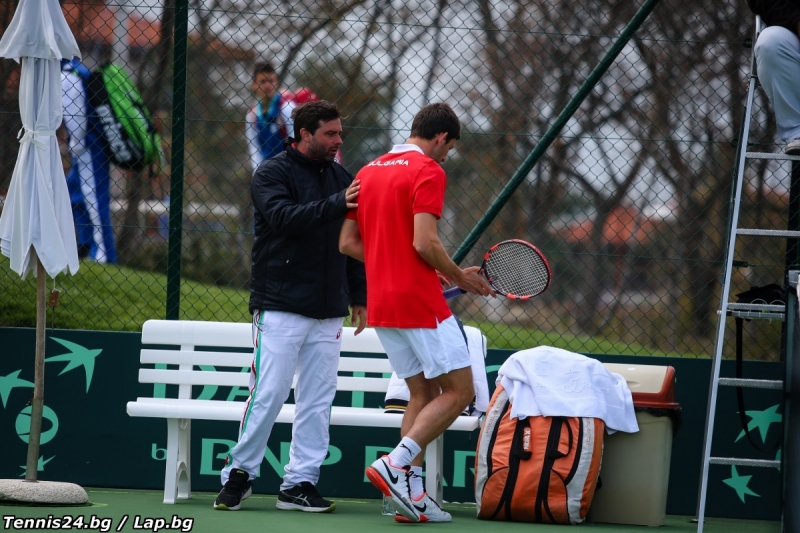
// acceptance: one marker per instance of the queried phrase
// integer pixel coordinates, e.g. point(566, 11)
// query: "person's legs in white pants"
point(778, 65)
point(316, 386)
point(281, 337)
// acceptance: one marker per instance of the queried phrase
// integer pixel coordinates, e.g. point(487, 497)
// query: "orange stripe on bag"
point(536, 469)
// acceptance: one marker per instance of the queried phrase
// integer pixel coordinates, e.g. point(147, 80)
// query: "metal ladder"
point(730, 309)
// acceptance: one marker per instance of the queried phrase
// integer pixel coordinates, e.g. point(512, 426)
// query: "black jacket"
point(297, 266)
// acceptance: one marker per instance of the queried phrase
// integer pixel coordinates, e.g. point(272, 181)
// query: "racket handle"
point(453, 292)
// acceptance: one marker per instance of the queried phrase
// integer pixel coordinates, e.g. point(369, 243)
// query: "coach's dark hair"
point(434, 119)
point(312, 114)
point(264, 67)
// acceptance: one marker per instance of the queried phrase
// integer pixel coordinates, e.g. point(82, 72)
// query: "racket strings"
point(516, 269)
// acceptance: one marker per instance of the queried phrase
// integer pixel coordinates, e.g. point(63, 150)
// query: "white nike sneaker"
point(392, 481)
point(429, 511)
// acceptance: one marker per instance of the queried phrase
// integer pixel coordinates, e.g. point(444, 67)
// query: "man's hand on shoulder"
point(351, 194)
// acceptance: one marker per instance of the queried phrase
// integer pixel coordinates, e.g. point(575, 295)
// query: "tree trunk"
point(156, 93)
point(130, 226)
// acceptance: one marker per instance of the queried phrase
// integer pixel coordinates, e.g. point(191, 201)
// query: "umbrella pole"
point(29, 490)
point(37, 404)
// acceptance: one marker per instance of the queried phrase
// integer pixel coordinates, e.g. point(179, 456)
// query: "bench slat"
point(182, 357)
point(361, 416)
point(197, 333)
point(366, 342)
point(221, 410)
point(347, 383)
point(244, 360)
point(192, 409)
point(242, 379)
point(194, 377)
point(238, 335)
point(364, 364)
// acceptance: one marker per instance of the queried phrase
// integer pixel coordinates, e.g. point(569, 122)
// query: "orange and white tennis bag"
point(536, 469)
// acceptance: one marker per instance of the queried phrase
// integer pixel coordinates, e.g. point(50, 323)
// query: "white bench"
point(179, 412)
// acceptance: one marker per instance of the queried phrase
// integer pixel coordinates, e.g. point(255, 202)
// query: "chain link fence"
point(630, 202)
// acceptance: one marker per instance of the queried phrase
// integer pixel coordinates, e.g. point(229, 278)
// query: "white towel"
point(546, 381)
point(477, 352)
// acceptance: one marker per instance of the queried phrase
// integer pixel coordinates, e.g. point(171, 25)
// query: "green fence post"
point(548, 138)
point(179, 62)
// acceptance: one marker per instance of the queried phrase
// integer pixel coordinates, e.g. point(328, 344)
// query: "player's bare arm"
point(350, 242)
point(429, 246)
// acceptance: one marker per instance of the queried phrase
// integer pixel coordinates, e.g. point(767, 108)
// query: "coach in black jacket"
point(297, 267)
point(301, 288)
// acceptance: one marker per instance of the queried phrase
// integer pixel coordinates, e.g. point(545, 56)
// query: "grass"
point(107, 297)
point(519, 338)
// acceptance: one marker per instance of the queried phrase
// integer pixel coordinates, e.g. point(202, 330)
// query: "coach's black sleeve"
point(356, 282)
point(272, 196)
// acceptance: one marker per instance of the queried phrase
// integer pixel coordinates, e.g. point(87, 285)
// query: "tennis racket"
point(514, 268)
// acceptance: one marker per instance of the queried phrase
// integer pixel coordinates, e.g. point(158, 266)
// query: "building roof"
point(623, 226)
point(92, 22)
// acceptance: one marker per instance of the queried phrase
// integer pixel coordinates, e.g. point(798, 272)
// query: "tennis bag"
point(536, 469)
point(132, 141)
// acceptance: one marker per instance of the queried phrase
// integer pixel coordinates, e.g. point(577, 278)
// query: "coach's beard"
point(318, 152)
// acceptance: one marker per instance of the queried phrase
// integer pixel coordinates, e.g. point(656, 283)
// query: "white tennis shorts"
point(432, 351)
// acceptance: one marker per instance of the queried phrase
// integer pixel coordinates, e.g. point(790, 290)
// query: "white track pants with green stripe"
point(287, 343)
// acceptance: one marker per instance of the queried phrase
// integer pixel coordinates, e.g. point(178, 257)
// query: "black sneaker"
point(304, 497)
point(792, 147)
point(237, 488)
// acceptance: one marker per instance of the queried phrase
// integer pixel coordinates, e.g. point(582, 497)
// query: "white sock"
point(404, 453)
point(416, 484)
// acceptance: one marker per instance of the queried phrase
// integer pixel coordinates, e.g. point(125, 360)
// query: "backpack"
point(536, 469)
point(132, 141)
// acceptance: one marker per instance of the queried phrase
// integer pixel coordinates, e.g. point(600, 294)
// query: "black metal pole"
point(791, 425)
point(792, 245)
point(179, 62)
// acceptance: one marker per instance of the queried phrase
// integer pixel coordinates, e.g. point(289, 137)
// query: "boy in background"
point(269, 122)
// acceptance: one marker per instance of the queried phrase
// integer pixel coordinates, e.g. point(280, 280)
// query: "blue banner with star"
point(87, 437)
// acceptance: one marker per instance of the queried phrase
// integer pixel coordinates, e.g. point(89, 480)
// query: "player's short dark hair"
point(312, 114)
point(264, 67)
point(434, 119)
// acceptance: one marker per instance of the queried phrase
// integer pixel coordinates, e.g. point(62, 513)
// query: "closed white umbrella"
point(37, 214)
point(36, 227)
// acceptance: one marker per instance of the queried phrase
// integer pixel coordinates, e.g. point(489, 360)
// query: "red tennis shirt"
point(403, 290)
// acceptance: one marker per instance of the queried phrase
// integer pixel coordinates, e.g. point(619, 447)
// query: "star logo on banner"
point(9, 383)
point(739, 484)
point(39, 465)
point(762, 420)
point(77, 357)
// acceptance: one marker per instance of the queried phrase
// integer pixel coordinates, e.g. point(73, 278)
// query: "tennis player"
point(393, 230)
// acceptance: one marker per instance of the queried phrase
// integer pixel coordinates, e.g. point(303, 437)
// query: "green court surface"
point(258, 514)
